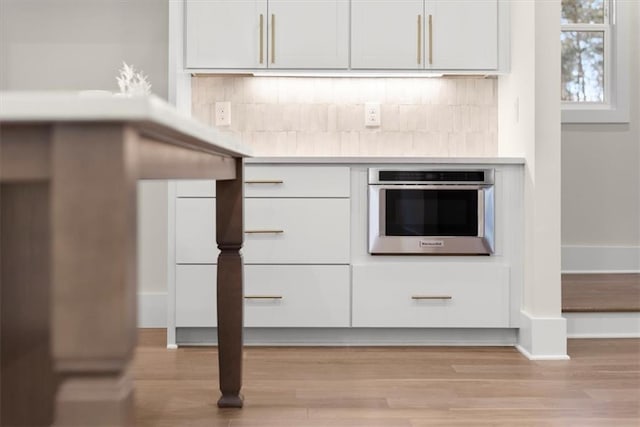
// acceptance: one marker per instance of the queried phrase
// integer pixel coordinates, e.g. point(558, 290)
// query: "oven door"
point(431, 219)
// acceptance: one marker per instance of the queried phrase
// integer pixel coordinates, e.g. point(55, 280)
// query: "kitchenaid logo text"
point(431, 243)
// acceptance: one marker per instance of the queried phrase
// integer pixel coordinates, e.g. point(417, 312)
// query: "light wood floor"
point(391, 386)
point(601, 292)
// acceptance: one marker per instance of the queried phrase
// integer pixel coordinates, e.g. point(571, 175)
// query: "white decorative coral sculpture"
point(132, 82)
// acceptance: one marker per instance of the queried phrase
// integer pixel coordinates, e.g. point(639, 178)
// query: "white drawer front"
point(196, 231)
point(435, 295)
point(297, 181)
point(313, 231)
point(279, 181)
point(305, 231)
point(196, 295)
point(309, 296)
point(195, 188)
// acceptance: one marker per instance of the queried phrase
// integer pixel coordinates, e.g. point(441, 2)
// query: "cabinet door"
point(226, 33)
point(308, 33)
point(387, 34)
point(464, 34)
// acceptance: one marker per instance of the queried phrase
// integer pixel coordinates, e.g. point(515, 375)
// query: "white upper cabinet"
point(418, 34)
point(464, 34)
point(312, 34)
point(387, 34)
point(254, 34)
point(342, 34)
point(226, 33)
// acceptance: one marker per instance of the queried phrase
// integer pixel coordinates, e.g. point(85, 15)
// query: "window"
point(594, 72)
point(585, 37)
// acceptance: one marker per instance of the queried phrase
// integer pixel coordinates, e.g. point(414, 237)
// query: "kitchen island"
point(69, 166)
point(310, 278)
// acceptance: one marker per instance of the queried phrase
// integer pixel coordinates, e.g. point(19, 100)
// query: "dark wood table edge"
point(175, 157)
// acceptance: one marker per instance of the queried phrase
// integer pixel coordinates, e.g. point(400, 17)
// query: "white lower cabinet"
point(304, 296)
point(280, 231)
point(307, 266)
point(305, 231)
point(262, 181)
point(196, 231)
point(275, 296)
point(196, 295)
point(434, 295)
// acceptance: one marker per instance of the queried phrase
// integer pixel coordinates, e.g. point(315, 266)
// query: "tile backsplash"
point(323, 116)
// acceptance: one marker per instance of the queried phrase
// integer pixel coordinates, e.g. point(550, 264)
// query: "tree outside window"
point(585, 29)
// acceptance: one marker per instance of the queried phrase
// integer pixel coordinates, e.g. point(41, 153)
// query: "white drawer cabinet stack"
point(309, 278)
point(296, 250)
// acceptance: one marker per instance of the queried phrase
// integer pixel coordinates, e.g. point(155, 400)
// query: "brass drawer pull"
point(273, 38)
point(264, 181)
point(263, 297)
point(419, 39)
point(261, 38)
point(430, 39)
point(420, 297)
point(264, 231)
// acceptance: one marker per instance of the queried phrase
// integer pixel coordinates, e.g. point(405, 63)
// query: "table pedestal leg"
point(27, 381)
point(93, 200)
point(230, 233)
point(86, 399)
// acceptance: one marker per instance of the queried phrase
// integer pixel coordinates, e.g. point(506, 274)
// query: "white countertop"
point(390, 160)
point(43, 107)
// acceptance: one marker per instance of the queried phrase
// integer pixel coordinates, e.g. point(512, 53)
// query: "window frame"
point(615, 108)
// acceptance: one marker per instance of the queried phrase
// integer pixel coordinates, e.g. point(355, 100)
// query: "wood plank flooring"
point(600, 293)
point(392, 386)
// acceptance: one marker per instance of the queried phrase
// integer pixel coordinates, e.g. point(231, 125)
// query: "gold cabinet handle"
point(273, 38)
point(261, 38)
point(421, 297)
point(430, 39)
point(419, 39)
point(264, 231)
point(263, 297)
point(264, 181)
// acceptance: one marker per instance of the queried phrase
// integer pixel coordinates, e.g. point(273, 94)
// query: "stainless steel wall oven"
point(431, 211)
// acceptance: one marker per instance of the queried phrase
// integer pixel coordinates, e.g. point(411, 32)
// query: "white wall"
point(80, 44)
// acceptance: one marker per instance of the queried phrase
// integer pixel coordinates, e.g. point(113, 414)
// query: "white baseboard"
point(530, 356)
point(152, 310)
point(601, 259)
point(542, 338)
point(603, 325)
point(356, 337)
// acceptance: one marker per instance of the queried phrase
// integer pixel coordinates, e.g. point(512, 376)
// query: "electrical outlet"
point(372, 114)
point(223, 114)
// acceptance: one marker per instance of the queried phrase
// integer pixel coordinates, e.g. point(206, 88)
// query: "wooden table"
point(69, 166)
